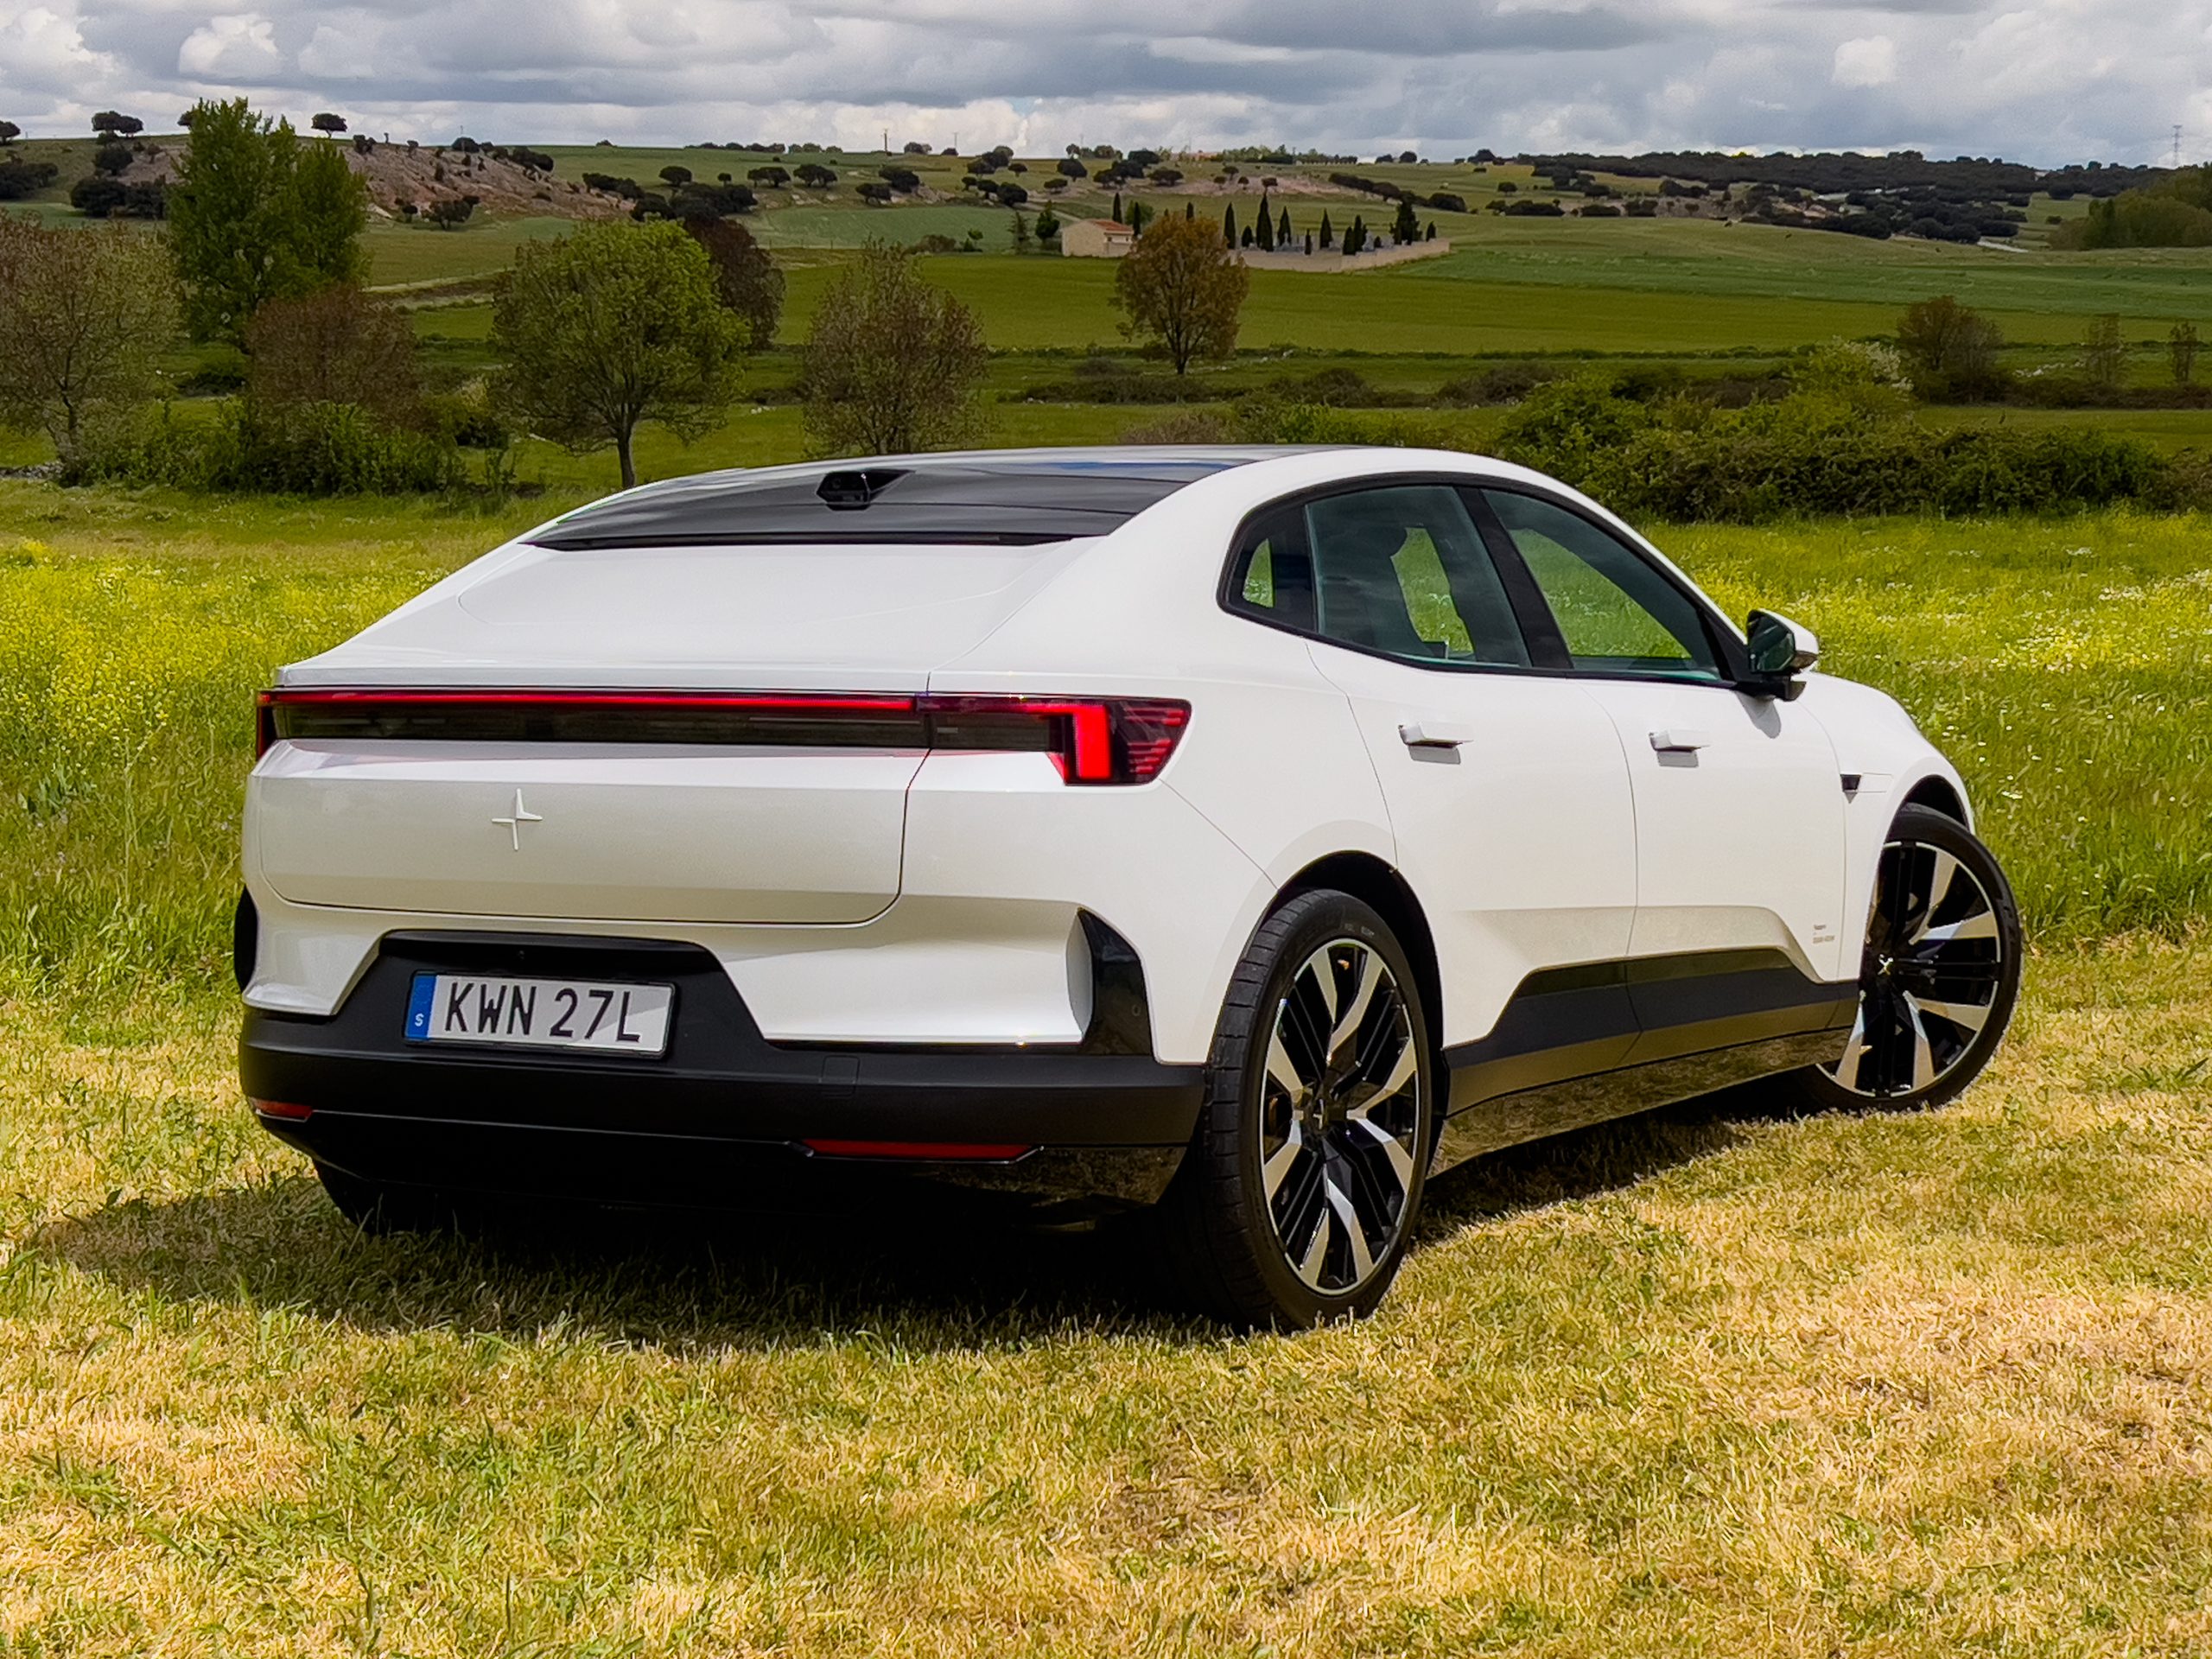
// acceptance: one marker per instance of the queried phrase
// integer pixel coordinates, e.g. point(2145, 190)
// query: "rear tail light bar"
point(1100, 740)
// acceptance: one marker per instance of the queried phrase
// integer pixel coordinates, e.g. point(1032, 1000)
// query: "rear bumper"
point(723, 1120)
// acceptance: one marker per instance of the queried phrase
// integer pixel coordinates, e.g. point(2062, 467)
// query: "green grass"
point(1694, 1384)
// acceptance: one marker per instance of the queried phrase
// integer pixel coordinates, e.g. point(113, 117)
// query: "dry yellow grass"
point(1701, 1383)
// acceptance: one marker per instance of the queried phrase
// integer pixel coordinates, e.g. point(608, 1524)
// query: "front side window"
point(1402, 571)
point(1616, 614)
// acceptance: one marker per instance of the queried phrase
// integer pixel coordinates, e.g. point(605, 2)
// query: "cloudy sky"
point(2042, 81)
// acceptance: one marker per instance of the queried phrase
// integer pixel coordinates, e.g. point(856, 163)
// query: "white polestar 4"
point(1229, 839)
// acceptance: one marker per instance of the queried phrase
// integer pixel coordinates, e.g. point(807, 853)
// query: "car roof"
point(1016, 496)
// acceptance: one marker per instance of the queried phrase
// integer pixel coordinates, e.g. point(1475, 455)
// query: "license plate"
point(572, 1014)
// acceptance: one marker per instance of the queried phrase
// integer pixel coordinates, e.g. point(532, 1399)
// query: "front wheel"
point(1299, 1195)
point(1939, 975)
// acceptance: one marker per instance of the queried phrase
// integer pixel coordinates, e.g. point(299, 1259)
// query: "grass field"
point(1705, 1383)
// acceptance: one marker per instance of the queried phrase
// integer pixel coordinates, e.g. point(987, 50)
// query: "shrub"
point(314, 449)
point(1839, 448)
point(20, 179)
point(96, 196)
point(1508, 383)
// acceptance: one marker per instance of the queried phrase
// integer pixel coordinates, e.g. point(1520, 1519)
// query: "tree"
point(1228, 224)
point(1430, 235)
point(1116, 214)
point(328, 125)
point(1183, 288)
point(84, 317)
point(815, 176)
point(1264, 230)
point(9, 132)
point(1048, 225)
point(769, 178)
point(745, 278)
point(1283, 234)
point(1407, 228)
point(2181, 353)
point(675, 175)
point(1355, 238)
point(1070, 167)
point(251, 219)
point(1328, 231)
point(1023, 242)
point(452, 212)
point(2104, 353)
point(337, 346)
point(892, 363)
point(110, 124)
point(612, 327)
point(1951, 348)
point(96, 196)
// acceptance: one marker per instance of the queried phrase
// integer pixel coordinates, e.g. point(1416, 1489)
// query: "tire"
point(1939, 975)
point(378, 1209)
point(1305, 1175)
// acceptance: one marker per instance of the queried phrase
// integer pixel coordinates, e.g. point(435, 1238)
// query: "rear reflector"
point(940, 1152)
point(1091, 739)
point(283, 1108)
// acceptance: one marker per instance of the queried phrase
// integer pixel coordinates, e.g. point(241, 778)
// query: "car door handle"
point(1679, 740)
point(1434, 735)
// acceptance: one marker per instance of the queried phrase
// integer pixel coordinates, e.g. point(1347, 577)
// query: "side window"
point(1271, 578)
point(1402, 570)
point(1616, 614)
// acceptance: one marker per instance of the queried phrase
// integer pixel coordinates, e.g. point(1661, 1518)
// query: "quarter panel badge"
point(513, 821)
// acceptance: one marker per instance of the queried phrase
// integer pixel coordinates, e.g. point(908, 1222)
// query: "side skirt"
point(1578, 1046)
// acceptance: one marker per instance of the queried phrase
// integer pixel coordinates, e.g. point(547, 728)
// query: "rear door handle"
point(1679, 740)
point(1434, 735)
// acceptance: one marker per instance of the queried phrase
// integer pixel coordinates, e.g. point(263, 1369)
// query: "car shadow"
point(1586, 1163)
point(923, 1277)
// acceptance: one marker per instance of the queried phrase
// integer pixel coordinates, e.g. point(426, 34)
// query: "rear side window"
point(1616, 614)
point(1402, 571)
point(1271, 578)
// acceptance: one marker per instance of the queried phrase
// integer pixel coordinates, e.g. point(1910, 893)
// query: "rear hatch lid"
point(701, 733)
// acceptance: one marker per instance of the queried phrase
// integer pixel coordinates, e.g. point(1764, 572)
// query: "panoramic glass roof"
point(1016, 496)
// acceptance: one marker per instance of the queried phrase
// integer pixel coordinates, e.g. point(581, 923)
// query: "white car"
point(1236, 836)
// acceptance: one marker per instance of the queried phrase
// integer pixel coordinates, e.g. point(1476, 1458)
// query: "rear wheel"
point(1299, 1194)
point(1938, 977)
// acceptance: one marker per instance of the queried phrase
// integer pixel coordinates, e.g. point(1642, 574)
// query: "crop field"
point(1711, 1383)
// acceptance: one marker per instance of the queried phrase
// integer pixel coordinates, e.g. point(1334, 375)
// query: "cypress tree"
point(1309, 241)
point(1283, 230)
point(1407, 229)
point(1229, 223)
point(1265, 230)
point(1190, 210)
point(1431, 235)
point(1328, 231)
point(1118, 220)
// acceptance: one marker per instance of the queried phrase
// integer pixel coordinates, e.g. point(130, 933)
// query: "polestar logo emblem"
point(513, 821)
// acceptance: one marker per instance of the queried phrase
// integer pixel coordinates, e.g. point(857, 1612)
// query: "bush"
point(335, 346)
point(1837, 448)
point(1508, 383)
point(96, 196)
point(314, 449)
point(20, 180)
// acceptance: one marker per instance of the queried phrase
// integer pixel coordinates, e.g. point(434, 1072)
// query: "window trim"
point(1520, 586)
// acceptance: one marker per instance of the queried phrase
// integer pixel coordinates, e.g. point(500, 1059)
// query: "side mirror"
point(1778, 650)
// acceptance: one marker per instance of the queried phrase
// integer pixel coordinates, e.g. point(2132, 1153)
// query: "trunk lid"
point(795, 816)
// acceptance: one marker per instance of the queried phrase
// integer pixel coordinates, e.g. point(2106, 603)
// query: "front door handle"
point(1679, 740)
point(1434, 735)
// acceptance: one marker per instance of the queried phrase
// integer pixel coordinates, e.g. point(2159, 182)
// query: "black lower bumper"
point(724, 1119)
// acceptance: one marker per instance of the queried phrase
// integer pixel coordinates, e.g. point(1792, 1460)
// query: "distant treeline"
point(2174, 212)
point(1836, 172)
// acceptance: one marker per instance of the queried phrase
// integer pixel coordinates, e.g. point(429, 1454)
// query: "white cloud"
point(2048, 81)
point(1871, 61)
point(237, 43)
